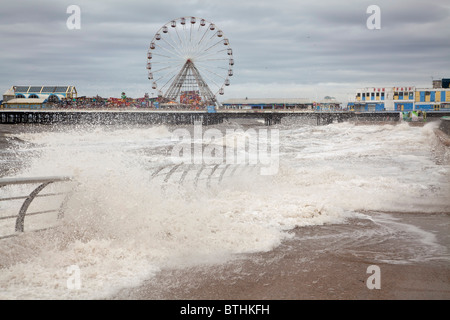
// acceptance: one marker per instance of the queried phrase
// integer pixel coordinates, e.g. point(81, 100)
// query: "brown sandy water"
point(325, 262)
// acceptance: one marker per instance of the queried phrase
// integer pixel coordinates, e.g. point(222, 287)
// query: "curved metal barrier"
point(42, 183)
point(200, 172)
point(171, 173)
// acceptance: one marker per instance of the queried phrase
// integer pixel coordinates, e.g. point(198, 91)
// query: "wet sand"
point(320, 263)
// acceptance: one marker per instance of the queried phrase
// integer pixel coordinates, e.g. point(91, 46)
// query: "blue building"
point(403, 98)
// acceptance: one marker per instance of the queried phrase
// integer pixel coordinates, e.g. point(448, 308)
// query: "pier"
point(177, 117)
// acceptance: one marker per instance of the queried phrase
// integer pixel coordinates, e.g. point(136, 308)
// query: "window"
point(53, 98)
point(21, 89)
point(61, 89)
point(48, 89)
point(35, 89)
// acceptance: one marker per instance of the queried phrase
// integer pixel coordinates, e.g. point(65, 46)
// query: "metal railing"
point(201, 172)
point(175, 173)
point(42, 183)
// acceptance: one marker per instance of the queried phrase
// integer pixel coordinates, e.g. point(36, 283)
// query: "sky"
point(281, 48)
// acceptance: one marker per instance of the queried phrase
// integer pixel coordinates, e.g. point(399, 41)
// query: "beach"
point(306, 269)
point(354, 211)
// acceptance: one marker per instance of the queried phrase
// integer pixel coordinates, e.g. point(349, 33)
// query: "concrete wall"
point(445, 125)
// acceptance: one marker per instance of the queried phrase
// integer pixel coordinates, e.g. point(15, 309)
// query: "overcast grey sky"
point(282, 48)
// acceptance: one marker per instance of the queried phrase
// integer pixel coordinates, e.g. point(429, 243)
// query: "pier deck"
point(97, 116)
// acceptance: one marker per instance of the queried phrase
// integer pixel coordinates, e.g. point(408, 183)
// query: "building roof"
point(268, 101)
point(43, 89)
point(332, 101)
point(9, 92)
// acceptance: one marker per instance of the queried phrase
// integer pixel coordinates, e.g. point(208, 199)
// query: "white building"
point(36, 96)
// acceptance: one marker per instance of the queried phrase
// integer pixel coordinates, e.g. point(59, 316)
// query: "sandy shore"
point(317, 265)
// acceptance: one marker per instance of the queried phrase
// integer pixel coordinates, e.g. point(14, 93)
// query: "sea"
point(140, 202)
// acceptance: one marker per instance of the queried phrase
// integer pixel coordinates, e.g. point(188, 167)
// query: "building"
point(268, 103)
point(35, 97)
point(327, 104)
point(436, 98)
point(407, 98)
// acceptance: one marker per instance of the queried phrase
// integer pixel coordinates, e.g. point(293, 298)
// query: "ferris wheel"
point(190, 61)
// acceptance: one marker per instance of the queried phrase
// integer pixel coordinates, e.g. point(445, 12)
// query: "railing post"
point(23, 210)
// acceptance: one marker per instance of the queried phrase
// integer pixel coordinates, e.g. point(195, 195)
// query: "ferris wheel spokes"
point(211, 72)
point(184, 57)
point(204, 54)
point(167, 82)
point(176, 50)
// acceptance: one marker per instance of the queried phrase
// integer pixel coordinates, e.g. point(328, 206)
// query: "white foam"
point(122, 227)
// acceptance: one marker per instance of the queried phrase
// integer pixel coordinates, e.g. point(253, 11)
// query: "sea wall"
point(445, 125)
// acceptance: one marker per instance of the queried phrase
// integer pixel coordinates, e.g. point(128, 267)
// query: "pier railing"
point(38, 184)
